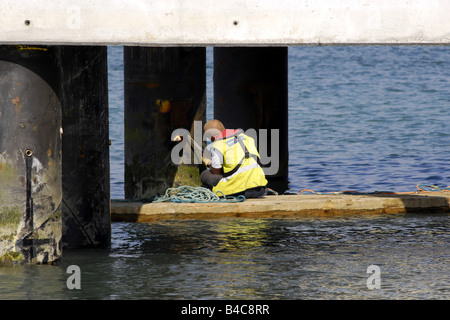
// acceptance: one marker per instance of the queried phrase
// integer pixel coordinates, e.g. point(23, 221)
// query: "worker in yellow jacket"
point(234, 168)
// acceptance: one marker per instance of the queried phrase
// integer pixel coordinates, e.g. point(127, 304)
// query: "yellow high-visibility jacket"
point(241, 168)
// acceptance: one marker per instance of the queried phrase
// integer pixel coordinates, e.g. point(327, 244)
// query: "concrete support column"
point(83, 86)
point(164, 90)
point(251, 92)
point(30, 156)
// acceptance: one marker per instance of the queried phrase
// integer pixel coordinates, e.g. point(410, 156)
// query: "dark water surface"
point(313, 258)
point(360, 118)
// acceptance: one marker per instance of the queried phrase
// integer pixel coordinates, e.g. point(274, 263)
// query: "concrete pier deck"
point(224, 23)
point(286, 206)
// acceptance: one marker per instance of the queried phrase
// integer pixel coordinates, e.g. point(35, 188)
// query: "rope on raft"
point(185, 194)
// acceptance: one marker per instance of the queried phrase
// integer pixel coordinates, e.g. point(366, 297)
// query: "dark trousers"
point(210, 180)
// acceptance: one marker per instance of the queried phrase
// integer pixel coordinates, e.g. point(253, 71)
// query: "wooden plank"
point(285, 206)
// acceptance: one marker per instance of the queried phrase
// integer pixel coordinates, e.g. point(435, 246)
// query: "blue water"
point(360, 118)
point(369, 118)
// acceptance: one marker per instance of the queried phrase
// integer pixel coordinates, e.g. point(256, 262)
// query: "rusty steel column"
point(164, 90)
point(83, 91)
point(251, 92)
point(30, 156)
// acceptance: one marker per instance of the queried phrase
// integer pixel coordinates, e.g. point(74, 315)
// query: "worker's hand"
point(207, 162)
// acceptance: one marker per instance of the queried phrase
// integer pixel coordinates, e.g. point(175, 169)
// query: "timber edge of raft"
point(285, 206)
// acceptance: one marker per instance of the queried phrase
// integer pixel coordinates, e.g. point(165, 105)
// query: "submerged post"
point(54, 151)
point(83, 87)
point(164, 91)
point(250, 92)
point(30, 156)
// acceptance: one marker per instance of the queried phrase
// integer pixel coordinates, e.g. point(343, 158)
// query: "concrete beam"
point(285, 206)
point(222, 23)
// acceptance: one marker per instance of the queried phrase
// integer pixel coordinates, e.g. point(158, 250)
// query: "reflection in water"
point(236, 235)
point(316, 258)
point(238, 271)
point(31, 282)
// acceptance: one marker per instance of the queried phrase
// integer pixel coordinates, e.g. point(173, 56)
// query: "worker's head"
point(213, 128)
